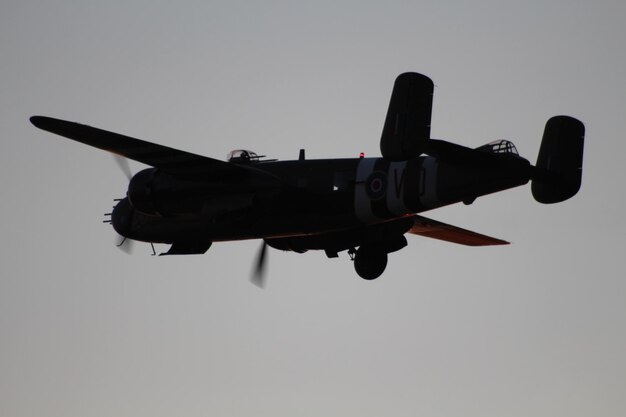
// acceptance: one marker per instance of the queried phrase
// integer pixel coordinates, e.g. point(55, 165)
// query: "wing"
point(168, 159)
point(437, 230)
point(407, 125)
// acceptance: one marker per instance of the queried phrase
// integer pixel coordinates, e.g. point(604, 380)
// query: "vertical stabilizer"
point(407, 125)
point(559, 169)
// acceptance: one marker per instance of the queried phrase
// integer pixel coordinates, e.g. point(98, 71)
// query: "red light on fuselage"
point(362, 154)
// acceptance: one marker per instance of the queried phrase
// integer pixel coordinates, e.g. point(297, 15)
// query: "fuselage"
point(307, 197)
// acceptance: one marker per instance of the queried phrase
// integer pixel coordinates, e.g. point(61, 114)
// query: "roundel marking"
point(376, 185)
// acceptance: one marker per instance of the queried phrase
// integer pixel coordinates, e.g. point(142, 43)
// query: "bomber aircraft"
point(364, 206)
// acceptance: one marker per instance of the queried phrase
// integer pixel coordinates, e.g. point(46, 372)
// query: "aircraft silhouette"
point(361, 205)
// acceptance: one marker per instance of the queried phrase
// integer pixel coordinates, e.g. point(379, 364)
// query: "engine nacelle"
point(141, 193)
point(157, 193)
point(122, 217)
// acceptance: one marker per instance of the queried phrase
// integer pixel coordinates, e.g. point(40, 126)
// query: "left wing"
point(168, 159)
point(437, 230)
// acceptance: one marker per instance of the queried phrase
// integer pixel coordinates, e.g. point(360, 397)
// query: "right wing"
point(437, 230)
point(170, 160)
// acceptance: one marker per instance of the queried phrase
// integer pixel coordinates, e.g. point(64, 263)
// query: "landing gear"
point(369, 261)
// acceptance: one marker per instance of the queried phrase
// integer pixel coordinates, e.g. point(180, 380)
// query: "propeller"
point(258, 275)
point(124, 165)
point(125, 245)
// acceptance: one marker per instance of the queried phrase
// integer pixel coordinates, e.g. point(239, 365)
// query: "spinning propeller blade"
point(125, 244)
point(124, 165)
point(258, 275)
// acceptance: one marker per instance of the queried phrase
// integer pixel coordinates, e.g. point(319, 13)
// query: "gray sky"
point(537, 328)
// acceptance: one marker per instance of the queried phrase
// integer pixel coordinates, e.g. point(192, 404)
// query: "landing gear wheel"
point(370, 262)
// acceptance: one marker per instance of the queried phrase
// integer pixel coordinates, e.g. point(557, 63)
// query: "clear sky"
point(537, 328)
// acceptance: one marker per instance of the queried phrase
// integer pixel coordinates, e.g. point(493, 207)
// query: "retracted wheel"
point(370, 262)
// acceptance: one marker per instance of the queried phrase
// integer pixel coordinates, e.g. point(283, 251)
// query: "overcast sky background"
point(537, 328)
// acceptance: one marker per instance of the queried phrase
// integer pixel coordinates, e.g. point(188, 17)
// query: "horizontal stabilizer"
point(458, 154)
point(437, 230)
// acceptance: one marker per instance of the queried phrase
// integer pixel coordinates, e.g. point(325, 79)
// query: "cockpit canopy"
point(499, 146)
point(242, 156)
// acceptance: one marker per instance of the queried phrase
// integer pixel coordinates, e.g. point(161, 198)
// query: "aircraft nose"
point(122, 216)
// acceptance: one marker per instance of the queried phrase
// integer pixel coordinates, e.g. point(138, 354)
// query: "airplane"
point(364, 206)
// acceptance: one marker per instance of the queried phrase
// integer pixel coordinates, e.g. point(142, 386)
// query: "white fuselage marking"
point(428, 183)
